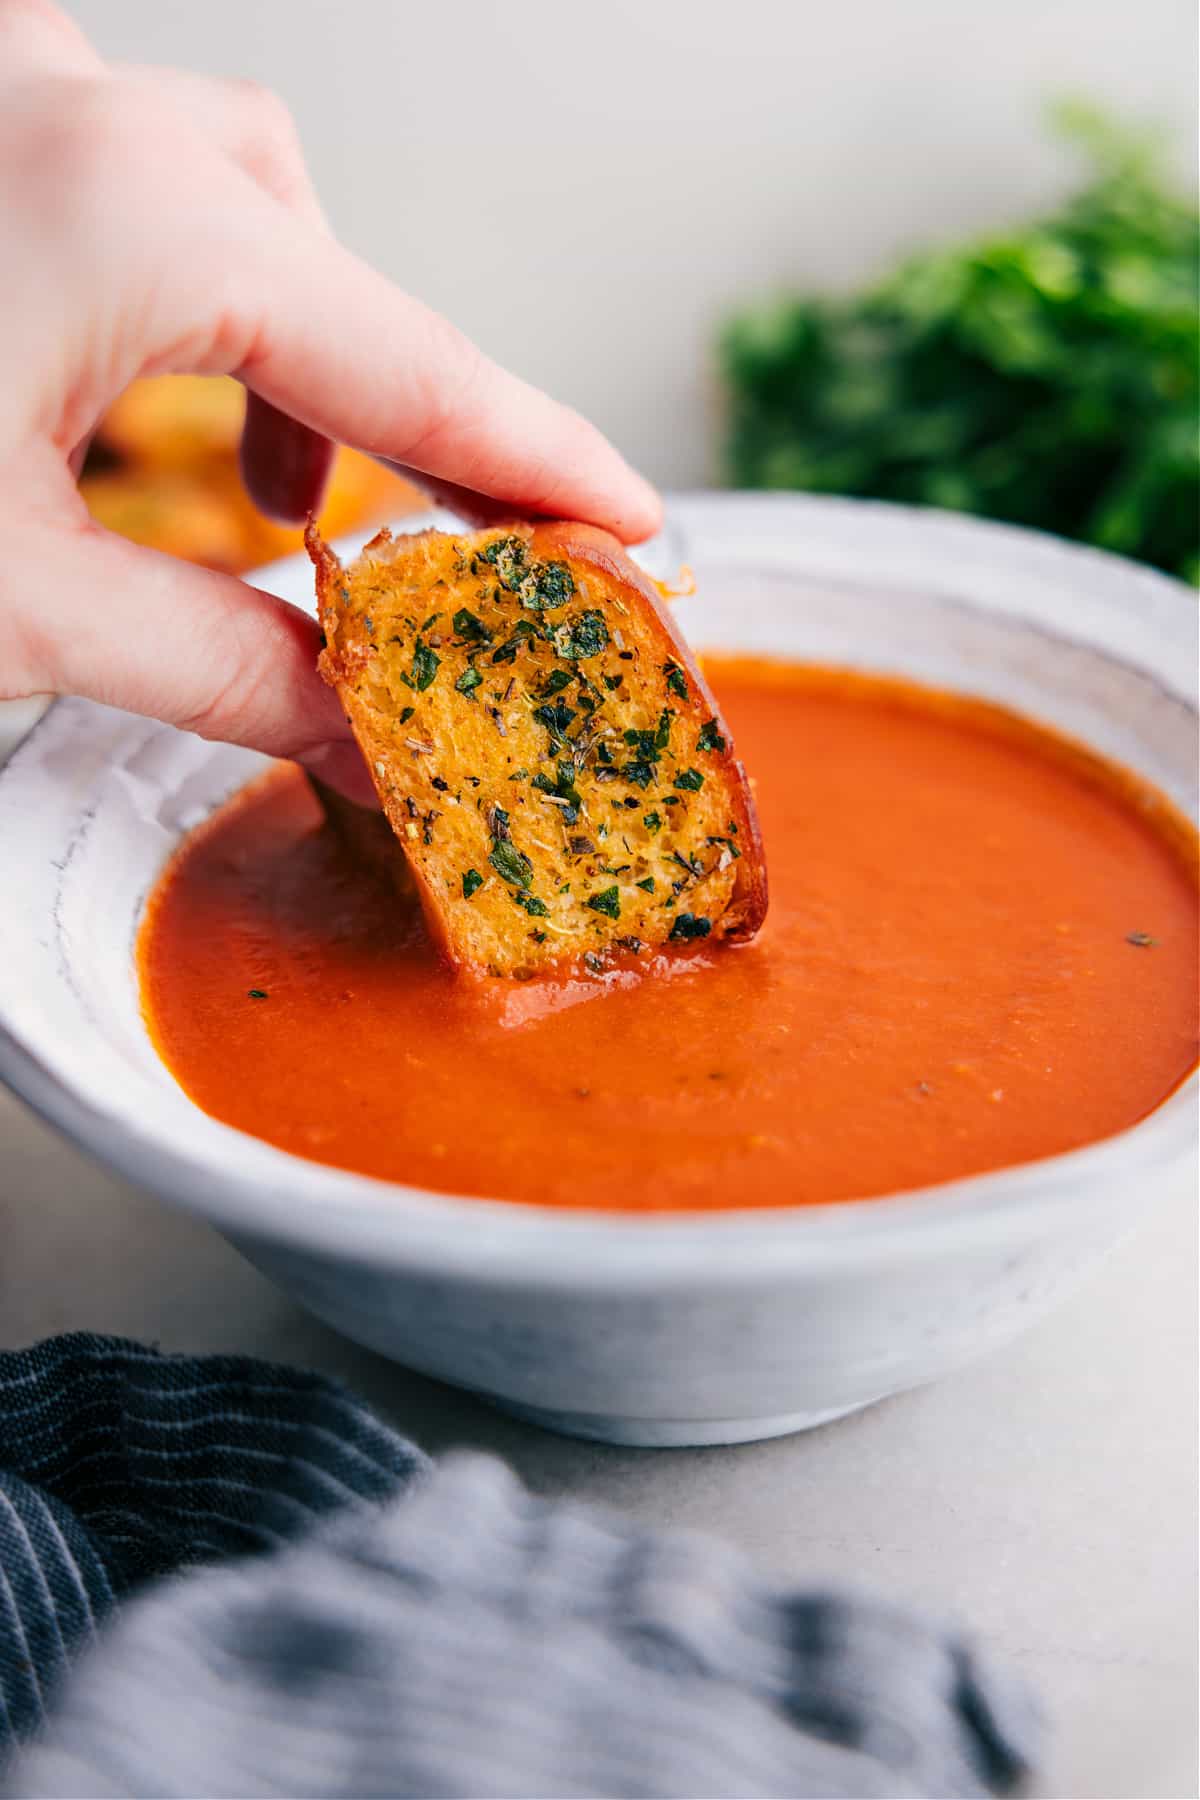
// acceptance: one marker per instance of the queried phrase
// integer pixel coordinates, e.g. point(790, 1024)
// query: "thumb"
point(197, 649)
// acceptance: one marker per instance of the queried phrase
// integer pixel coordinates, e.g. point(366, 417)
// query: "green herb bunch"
point(1050, 377)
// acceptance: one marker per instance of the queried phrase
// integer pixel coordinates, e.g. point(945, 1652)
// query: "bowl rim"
point(316, 1207)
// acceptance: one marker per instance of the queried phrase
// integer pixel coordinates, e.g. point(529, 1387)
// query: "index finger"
point(340, 349)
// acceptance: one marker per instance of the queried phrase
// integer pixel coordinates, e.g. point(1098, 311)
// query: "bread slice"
point(543, 745)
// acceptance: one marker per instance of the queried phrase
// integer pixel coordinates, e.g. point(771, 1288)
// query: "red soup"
point(981, 949)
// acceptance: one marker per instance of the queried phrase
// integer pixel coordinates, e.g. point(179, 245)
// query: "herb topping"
point(425, 665)
point(607, 901)
point(688, 926)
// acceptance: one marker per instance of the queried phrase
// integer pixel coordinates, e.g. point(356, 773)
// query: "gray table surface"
point(1046, 1496)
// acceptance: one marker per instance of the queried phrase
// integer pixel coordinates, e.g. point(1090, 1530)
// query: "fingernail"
point(284, 465)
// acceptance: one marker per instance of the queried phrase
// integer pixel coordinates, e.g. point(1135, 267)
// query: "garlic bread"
point(543, 745)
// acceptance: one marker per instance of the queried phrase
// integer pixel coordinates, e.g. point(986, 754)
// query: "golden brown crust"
point(543, 745)
point(748, 906)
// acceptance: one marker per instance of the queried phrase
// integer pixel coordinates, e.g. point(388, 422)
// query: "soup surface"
point(981, 949)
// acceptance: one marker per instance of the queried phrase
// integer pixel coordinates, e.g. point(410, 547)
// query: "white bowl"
point(673, 1330)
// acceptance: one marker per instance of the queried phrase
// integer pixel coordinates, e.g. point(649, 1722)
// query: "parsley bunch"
point(1049, 377)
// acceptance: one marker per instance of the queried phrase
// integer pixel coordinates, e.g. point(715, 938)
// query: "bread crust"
point(544, 746)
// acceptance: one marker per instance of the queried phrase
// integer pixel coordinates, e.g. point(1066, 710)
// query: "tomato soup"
point(981, 950)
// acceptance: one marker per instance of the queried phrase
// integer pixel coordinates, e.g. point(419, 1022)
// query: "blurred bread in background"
point(163, 471)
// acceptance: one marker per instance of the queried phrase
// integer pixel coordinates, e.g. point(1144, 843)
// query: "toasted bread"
point(543, 744)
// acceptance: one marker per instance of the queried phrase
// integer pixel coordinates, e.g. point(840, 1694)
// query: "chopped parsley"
point(507, 651)
point(649, 744)
point(406, 714)
point(562, 788)
point(506, 556)
point(468, 681)
point(647, 885)
point(585, 634)
point(691, 779)
point(425, 665)
point(539, 586)
point(509, 862)
point(556, 681)
point(652, 822)
point(472, 882)
point(676, 679)
point(256, 993)
point(536, 908)
point(555, 716)
point(687, 926)
point(710, 736)
point(548, 585)
point(468, 626)
point(607, 901)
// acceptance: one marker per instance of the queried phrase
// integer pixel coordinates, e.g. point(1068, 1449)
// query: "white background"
point(589, 188)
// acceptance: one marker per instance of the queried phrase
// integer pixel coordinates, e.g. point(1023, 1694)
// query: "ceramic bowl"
point(677, 1330)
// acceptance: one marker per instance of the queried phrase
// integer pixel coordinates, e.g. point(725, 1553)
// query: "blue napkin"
point(221, 1577)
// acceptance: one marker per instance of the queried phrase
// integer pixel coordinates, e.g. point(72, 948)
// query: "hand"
point(158, 221)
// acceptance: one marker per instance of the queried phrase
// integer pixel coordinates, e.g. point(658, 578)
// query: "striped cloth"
point(337, 1618)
